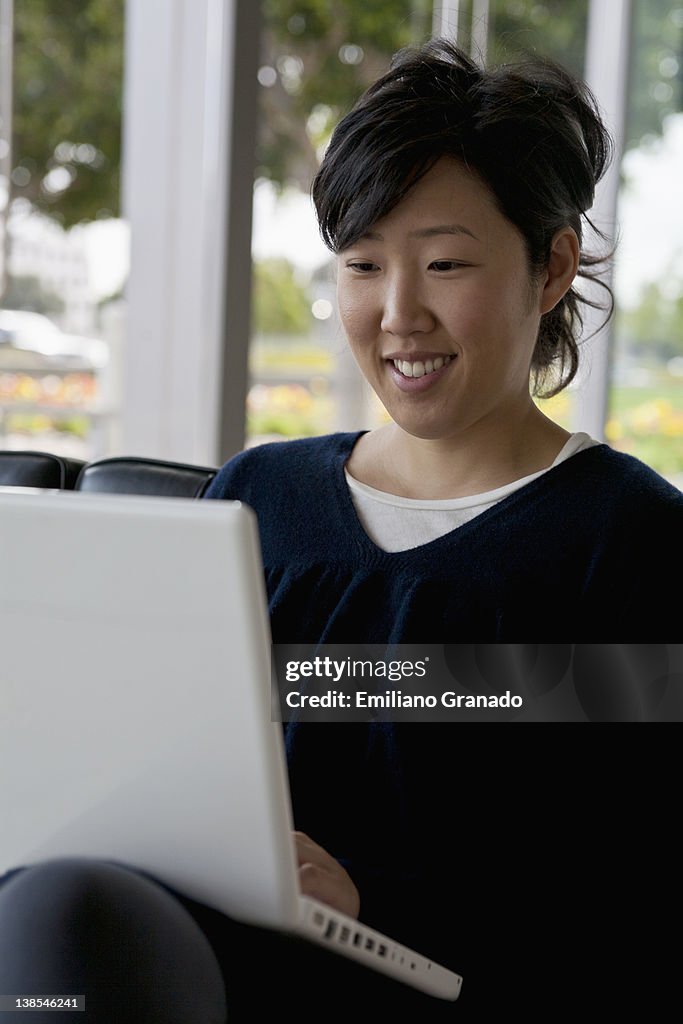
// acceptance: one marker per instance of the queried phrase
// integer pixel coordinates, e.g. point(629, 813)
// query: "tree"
point(66, 144)
point(554, 28)
point(656, 73)
point(317, 57)
point(655, 327)
point(281, 305)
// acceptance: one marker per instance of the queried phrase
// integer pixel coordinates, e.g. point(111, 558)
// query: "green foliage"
point(280, 304)
point(39, 424)
point(557, 28)
point(68, 59)
point(656, 74)
point(311, 45)
point(282, 424)
point(655, 326)
point(304, 41)
point(554, 28)
point(647, 421)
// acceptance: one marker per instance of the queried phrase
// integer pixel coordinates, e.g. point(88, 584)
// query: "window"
point(645, 409)
point(312, 69)
point(316, 59)
point(65, 247)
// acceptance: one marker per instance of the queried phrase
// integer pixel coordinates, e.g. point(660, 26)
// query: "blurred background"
point(163, 288)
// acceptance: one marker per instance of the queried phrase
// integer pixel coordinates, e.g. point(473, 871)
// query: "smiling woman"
point(454, 198)
point(443, 318)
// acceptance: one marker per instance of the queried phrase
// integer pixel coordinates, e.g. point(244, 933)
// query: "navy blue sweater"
point(585, 550)
point(451, 834)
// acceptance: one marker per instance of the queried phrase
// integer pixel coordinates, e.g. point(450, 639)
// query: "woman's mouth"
point(418, 374)
point(418, 368)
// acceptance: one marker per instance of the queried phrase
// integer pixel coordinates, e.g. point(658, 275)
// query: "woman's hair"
point(530, 131)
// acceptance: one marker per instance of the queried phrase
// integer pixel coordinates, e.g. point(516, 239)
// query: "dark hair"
point(531, 131)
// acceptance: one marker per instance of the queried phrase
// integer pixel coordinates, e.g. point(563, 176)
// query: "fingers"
point(336, 892)
point(323, 878)
point(309, 852)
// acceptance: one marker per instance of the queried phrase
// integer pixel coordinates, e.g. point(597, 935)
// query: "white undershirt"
point(397, 524)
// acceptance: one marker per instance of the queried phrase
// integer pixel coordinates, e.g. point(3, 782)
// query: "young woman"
point(455, 199)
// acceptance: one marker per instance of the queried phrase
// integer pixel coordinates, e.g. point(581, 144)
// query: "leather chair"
point(133, 475)
point(38, 469)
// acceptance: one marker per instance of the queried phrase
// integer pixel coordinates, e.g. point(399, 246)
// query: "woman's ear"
point(562, 268)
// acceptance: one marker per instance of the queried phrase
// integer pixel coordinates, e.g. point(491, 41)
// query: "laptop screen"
point(135, 695)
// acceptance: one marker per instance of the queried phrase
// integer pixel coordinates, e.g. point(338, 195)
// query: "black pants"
point(140, 952)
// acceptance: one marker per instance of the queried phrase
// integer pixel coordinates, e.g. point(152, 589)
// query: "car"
point(24, 331)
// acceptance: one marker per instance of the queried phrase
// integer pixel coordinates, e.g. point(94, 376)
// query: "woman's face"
point(439, 310)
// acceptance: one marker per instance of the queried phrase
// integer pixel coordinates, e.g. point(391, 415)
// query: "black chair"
point(133, 475)
point(38, 469)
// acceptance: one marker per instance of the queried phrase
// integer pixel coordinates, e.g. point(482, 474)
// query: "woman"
point(455, 200)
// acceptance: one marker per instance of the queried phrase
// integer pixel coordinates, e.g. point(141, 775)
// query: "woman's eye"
point(363, 268)
point(443, 266)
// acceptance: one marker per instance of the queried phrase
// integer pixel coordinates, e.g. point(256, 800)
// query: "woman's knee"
point(87, 892)
point(104, 926)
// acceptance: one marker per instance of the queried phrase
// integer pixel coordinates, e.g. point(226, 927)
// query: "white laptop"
point(135, 710)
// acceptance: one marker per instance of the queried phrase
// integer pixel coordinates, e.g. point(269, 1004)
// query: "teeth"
point(418, 368)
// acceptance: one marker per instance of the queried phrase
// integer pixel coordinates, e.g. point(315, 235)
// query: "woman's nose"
point(404, 310)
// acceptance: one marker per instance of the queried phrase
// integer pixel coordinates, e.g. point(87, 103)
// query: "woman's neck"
point(478, 460)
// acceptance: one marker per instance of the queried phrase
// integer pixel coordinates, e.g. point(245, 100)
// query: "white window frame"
point(188, 167)
point(608, 54)
point(6, 65)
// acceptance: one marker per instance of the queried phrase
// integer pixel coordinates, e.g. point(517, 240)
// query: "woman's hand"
point(323, 877)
